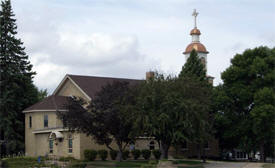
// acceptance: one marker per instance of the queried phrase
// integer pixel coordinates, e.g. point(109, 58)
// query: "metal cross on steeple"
point(195, 14)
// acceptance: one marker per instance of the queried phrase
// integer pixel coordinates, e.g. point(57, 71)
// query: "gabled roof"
point(93, 84)
point(51, 103)
point(90, 85)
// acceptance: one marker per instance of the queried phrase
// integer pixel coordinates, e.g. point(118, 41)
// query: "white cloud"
point(126, 38)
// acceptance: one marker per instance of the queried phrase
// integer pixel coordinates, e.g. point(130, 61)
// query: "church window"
point(152, 145)
point(1, 134)
point(70, 144)
point(30, 121)
point(206, 145)
point(51, 145)
point(46, 121)
point(184, 145)
point(203, 61)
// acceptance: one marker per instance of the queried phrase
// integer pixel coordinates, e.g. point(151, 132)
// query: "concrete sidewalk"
point(253, 165)
point(232, 165)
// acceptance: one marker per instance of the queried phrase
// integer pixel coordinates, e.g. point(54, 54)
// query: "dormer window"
point(46, 121)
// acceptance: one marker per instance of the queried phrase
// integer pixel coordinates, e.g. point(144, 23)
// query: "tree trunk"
point(204, 157)
point(120, 150)
point(262, 154)
point(164, 150)
point(199, 150)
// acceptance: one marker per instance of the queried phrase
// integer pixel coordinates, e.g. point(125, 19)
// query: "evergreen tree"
point(17, 89)
point(193, 67)
point(195, 71)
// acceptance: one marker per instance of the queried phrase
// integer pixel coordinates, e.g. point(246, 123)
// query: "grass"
point(269, 165)
point(28, 162)
point(188, 162)
point(22, 162)
point(123, 164)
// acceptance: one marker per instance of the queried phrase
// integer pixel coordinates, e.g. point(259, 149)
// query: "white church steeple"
point(195, 44)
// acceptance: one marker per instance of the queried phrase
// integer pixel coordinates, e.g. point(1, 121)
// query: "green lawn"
point(269, 165)
point(22, 162)
point(28, 162)
point(123, 164)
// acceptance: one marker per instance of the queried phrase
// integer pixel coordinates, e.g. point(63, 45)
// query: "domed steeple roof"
point(195, 31)
point(197, 46)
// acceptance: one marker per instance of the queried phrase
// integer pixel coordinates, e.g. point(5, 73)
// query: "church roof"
point(50, 103)
point(92, 84)
point(197, 46)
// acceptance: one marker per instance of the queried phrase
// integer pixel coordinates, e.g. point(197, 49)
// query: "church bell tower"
point(196, 44)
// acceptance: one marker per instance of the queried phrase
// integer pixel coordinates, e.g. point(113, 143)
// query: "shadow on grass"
point(116, 164)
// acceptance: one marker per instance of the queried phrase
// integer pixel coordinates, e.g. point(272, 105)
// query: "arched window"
point(132, 145)
point(152, 145)
point(203, 61)
point(206, 145)
point(70, 144)
point(184, 145)
point(51, 145)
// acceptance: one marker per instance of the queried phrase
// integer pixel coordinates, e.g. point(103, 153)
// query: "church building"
point(45, 133)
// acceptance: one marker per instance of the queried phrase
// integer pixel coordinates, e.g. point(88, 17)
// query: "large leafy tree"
point(247, 101)
point(17, 89)
point(169, 109)
point(105, 117)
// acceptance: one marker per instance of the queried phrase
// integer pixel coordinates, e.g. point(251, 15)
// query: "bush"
point(148, 166)
point(146, 154)
point(78, 165)
point(136, 154)
point(66, 159)
point(113, 154)
point(90, 155)
point(153, 162)
point(4, 164)
point(125, 155)
point(157, 154)
point(103, 154)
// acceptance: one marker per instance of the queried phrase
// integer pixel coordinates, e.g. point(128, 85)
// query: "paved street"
point(232, 165)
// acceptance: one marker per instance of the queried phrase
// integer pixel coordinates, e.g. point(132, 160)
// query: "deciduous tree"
point(169, 109)
point(105, 116)
point(247, 94)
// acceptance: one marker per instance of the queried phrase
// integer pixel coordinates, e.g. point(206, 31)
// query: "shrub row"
point(91, 155)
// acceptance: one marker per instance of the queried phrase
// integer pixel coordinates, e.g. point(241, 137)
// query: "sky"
point(126, 38)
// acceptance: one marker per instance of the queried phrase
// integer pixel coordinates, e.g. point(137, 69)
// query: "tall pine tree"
point(17, 90)
point(194, 71)
point(193, 67)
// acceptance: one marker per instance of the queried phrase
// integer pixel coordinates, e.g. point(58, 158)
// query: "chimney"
point(149, 75)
